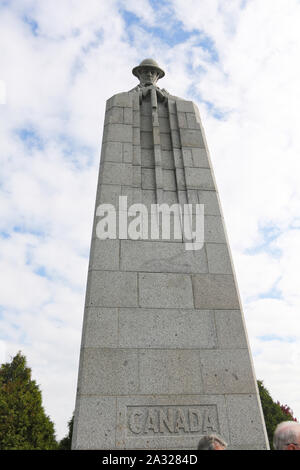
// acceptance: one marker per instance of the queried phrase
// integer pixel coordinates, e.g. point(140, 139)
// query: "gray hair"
point(286, 433)
point(208, 442)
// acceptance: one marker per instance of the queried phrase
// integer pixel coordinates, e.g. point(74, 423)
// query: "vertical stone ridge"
point(157, 149)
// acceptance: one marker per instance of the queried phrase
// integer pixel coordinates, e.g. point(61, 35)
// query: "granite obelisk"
point(164, 356)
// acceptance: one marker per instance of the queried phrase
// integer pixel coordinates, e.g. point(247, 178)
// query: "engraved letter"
point(181, 422)
point(135, 426)
point(208, 424)
point(151, 422)
point(166, 421)
point(195, 420)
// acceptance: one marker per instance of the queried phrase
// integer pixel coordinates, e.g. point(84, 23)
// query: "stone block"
point(112, 289)
point(124, 100)
point(127, 152)
point(162, 109)
point(165, 290)
point(170, 372)
point(171, 329)
point(169, 182)
point(109, 194)
point(199, 178)
point(104, 254)
point(178, 158)
point(245, 422)
point(173, 121)
point(164, 125)
point(96, 418)
point(200, 159)
point(175, 139)
point(187, 157)
point(101, 330)
point(210, 201)
point(180, 179)
point(147, 156)
point(146, 123)
point(148, 178)
point(128, 116)
point(146, 140)
point(148, 197)
point(112, 152)
point(136, 139)
point(185, 106)
point(192, 122)
point(136, 119)
point(170, 197)
point(109, 372)
point(157, 256)
point(136, 176)
point(218, 258)
point(214, 229)
point(230, 329)
point(116, 173)
point(114, 115)
point(117, 133)
point(227, 371)
point(191, 138)
point(182, 122)
point(215, 291)
point(167, 159)
point(165, 142)
point(136, 156)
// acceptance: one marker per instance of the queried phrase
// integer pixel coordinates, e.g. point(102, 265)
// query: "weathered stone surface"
point(245, 418)
point(95, 423)
point(101, 330)
point(230, 329)
point(116, 173)
point(218, 258)
point(227, 371)
point(215, 291)
point(210, 201)
point(165, 290)
point(173, 328)
point(112, 289)
point(109, 372)
point(199, 178)
point(172, 372)
point(117, 133)
point(105, 255)
point(164, 356)
point(161, 257)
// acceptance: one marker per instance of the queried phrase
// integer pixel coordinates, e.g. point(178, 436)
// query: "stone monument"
point(164, 356)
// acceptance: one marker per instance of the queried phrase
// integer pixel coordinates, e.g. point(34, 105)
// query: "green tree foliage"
point(274, 413)
point(23, 422)
point(65, 443)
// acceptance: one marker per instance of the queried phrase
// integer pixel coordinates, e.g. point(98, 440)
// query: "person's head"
point(212, 442)
point(148, 72)
point(287, 436)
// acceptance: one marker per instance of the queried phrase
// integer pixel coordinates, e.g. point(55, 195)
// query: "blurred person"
point(212, 442)
point(287, 436)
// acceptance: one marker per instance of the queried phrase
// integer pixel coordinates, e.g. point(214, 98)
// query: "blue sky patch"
point(30, 138)
point(283, 339)
point(34, 26)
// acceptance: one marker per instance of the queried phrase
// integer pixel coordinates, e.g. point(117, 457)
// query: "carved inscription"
point(172, 420)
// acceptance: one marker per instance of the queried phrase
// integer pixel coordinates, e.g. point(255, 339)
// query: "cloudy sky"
point(60, 61)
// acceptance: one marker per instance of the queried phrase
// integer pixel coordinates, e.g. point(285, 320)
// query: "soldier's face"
point(148, 76)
